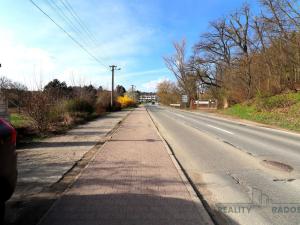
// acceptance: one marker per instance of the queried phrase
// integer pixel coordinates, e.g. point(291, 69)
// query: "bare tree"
point(17, 95)
point(260, 29)
point(216, 44)
point(214, 59)
point(5, 84)
point(168, 93)
point(178, 65)
point(243, 55)
point(238, 31)
point(282, 19)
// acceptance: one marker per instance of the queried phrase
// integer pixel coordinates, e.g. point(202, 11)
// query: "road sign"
point(184, 98)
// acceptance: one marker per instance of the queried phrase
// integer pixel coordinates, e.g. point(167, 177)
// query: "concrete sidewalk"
point(131, 180)
point(47, 167)
point(44, 163)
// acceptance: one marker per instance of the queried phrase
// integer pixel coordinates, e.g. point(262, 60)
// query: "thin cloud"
point(152, 85)
point(123, 39)
point(146, 72)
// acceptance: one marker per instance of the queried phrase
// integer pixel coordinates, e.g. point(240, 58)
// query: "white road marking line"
point(180, 115)
point(226, 131)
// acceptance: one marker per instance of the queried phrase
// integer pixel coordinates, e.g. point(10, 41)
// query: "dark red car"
point(8, 164)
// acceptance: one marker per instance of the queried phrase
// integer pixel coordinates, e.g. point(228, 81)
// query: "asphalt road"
point(247, 174)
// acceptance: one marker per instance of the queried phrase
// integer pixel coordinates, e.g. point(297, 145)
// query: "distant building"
point(148, 97)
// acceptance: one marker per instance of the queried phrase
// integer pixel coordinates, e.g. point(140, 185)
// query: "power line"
point(58, 10)
point(69, 35)
point(72, 12)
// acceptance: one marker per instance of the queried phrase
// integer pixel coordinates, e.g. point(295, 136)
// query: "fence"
point(3, 107)
point(206, 104)
point(175, 105)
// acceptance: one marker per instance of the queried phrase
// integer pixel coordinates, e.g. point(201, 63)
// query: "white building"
point(148, 97)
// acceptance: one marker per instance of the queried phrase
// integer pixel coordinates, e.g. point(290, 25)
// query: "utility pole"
point(132, 93)
point(113, 68)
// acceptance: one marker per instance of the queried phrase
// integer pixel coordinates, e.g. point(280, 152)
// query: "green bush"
point(80, 105)
point(240, 110)
point(277, 101)
point(280, 110)
point(20, 120)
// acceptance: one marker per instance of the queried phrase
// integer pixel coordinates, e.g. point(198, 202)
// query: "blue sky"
point(133, 34)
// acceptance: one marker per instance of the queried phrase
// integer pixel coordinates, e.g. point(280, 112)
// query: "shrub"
point(116, 107)
point(58, 111)
point(277, 101)
point(38, 107)
point(103, 102)
point(20, 120)
point(80, 105)
point(126, 101)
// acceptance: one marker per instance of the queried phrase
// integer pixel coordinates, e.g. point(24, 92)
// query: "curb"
point(205, 216)
point(96, 149)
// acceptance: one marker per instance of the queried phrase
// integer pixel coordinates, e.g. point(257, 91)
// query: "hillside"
point(280, 110)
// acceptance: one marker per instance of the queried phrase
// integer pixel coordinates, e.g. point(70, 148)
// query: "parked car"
point(8, 164)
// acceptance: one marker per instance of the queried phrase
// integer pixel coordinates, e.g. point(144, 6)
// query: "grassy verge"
point(276, 110)
point(19, 120)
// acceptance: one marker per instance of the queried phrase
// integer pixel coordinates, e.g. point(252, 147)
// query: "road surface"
point(247, 174)
point(131, 180)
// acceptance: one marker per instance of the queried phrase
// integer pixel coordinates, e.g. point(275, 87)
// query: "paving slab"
point(131, 180)
point(42, 165)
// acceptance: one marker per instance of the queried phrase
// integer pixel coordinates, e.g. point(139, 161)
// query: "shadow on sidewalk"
point(45, 144)
point(132, 140)
point(114, 209)
point(125, 209)
point(85, 132)
point(80, 206)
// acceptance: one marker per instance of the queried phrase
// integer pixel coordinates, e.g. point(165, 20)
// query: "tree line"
point(242, 55)
point(57, 105)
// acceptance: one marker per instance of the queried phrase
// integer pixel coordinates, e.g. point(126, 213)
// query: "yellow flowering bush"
point(126, 101)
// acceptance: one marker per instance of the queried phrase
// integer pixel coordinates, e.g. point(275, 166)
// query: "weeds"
point(280, 110)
